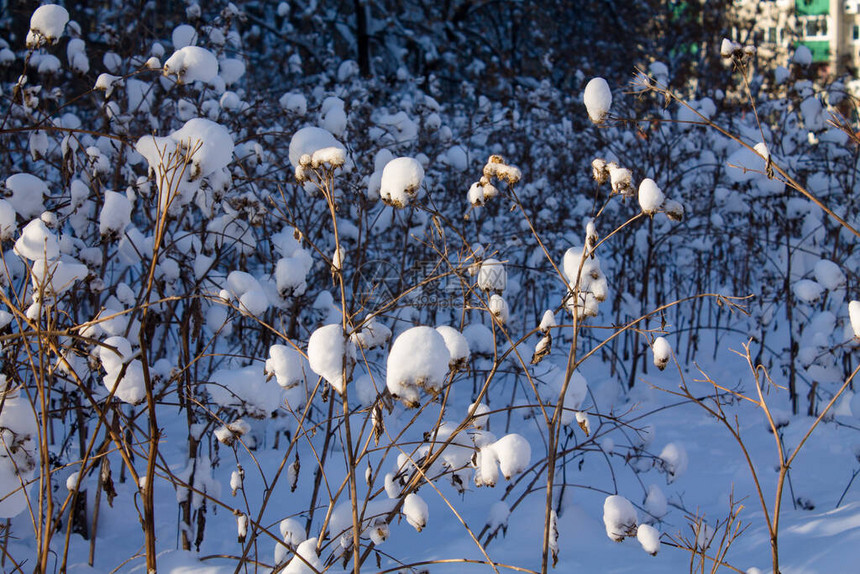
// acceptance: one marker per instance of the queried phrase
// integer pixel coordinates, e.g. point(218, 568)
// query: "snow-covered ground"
point(351, 311)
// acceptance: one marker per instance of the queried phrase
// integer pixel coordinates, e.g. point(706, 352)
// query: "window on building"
point(855, 32)
point(771, 35)
point(815, 27)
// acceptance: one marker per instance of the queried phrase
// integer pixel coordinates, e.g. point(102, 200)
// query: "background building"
point(829, 28)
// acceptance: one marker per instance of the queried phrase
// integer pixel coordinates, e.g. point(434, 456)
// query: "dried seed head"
point(599, 171)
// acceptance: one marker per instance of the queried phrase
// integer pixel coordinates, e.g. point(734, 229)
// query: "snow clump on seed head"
point(619, 517)
point(597, 99)
point(285, 364)
point(27, 194)
point(621, 179)
point(662, 352)
point(496, 167)
point(401, 179)
point(588, 284)
point(854, 315)
point(416, 511)
point(492, 276)
point(674, 460)
point(418, 360)
point(313, 147)
point(191, 64)
point(649, 538)
point(458, 347)
point(47, 25)
point(328, 353)
point(651, 197)
point(211, 143)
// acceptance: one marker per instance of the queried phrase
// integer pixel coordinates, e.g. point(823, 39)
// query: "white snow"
point(250, 295)
point(492, 276)
point(72, 481)
point(590, 281)
point(309, 561)
point(191, 64)
point(37, 242)
point(52, 278)
point(728, 47)
point(127, 383)
point(807, 290)
point(19, 454)
point(649, 538)
point(8, 225)
point(513, 453)
point(331, 355)
point(499, 308)
point(291, 273)
point(309, 140)
point(231, 70)
point(211, 143)
point(621, 179)
point(415, 510)
point(655, 502)
point(28, 192)
point(246, 390)
point(458, 347)
point(183, 35)
point(481, 416)
point(333, 116)
point(107, 82)
point(662, 352)
point(418, 360)
point(228, 434)
point(547, 321)
point(209, 148)
point(598, 99)
point(401, 179)
point(854, 315)
point(674, 459)
point(286, 364)
point(619, 517)
point(49, 22)
point(373, 334)
point(115, 215)
point(829, 275)
point(235, 481)
point(498, 515)
point(241, 526)
point(577, 390)
point(294, 103)
point(292, 532)
point(480, 338)
point(651, 197)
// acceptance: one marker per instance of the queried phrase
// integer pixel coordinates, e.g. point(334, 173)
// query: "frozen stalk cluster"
point(651, 198)
point(622, 521)
point(313, 149)
point(731, 50)
point(496, 169)
point(587, 282)
point(510, 454)
point(544, 346)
